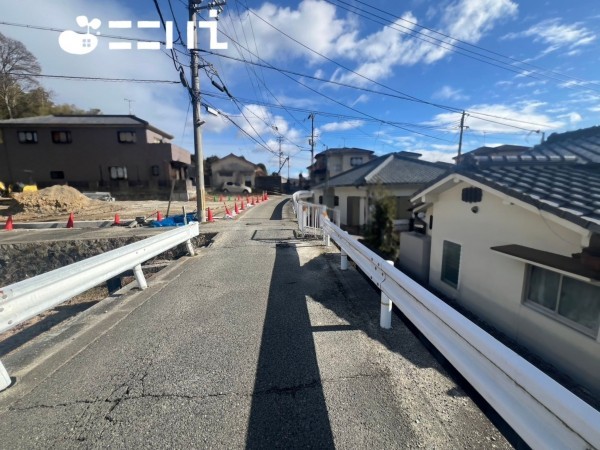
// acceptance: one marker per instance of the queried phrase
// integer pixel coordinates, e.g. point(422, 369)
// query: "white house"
point(397, 174)
point(236, 169)
point(334, 161)
point(516, 240)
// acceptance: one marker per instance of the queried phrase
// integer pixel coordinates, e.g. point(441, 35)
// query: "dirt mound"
point(54, 199)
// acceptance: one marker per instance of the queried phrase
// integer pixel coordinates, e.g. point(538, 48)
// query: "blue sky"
point(380, 75)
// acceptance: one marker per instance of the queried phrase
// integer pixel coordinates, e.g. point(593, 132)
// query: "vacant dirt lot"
point(57, 202)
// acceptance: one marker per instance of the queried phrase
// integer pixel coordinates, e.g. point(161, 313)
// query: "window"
point(155, 171)
point(118, 173)
point(336, 201)
point(320, 199)
point(450, 263)
point(61, 137)
point(356, 161)
point(28, 137)
point(565, 298)
point(57, 175)
point(226, 173)
point(126, 137)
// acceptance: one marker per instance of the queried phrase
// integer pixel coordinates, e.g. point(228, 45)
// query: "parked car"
point(235, 188)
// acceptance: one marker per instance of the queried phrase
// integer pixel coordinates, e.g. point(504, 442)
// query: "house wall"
point(240, 170)
point(404, 192)
point(86, 161)
point(491, 284)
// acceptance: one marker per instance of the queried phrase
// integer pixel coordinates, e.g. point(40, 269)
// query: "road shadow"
point(288, 404)
point(57, 316)
point(278, 210)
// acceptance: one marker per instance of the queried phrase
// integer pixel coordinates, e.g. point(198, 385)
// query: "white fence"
point(310, 216)
point(541, 411)
point(28, 298)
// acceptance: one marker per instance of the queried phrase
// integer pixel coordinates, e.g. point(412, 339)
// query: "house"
point(122, 154)
point(334, 161)
point(353, 192)
point(516, 241)
point(500, 150)
point(236, 169)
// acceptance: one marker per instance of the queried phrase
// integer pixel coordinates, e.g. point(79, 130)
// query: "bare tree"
point(18, 67)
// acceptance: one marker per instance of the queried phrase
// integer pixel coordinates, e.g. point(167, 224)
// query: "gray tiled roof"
point(94, 120)
point(389, 169)
point(331, 151)
point(583, 144)
point(568, 190)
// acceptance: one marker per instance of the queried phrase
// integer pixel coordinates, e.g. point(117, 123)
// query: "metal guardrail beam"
point(28, 298)
point(541, 411)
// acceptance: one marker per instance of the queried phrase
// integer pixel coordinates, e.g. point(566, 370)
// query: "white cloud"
point(362, 98)
point(494, 118)
point(556, 35)
point(314, 24)
point(437, 155)
point(381, 51)
point(342, 126)
point(449, 93)
point(573, 117)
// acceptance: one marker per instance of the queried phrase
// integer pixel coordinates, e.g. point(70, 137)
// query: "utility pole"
point(462, 126)
point(312, 146)
point(194, 6)
point(280, 139)
point(130, 102)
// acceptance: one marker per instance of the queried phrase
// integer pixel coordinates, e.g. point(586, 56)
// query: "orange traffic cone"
point(242, 207)
point(117, 220)
point(71, 221)
point(220, 198)
point(235, 208)
point(9, 224)
point(159, 216)
point(210, 217)
point(227, 212)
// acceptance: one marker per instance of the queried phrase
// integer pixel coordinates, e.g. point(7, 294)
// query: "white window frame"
point(553, 314)
point(127, 137)
point(117, 172)
point(354, 159)
point(444, 280)
point(23, 139)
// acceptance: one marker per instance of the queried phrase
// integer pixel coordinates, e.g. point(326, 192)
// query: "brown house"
point(122, 154)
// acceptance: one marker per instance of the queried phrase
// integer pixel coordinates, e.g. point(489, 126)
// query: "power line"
point(59, 30)
point(403, 95)
point(516, 60)
point(473, 113)
point(82, 78)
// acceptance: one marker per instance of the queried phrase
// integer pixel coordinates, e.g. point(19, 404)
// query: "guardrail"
point(28, 298)
point(310, 216)
point(541, 411)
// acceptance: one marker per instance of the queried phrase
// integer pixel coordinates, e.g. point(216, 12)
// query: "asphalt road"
point(260, 341)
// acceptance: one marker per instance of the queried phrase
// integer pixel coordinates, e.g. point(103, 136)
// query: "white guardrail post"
point(385, 320)
point(542, 412)
point(28, 298)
